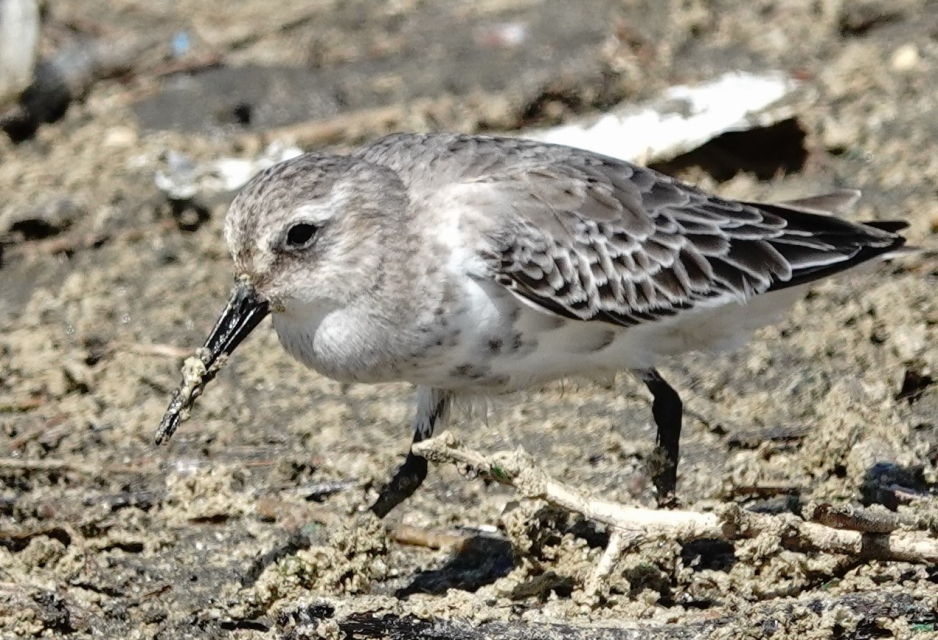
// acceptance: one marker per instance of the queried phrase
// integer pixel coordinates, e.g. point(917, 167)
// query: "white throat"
point(338, 342)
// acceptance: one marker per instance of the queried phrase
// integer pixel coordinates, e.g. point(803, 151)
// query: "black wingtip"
point(890, 226)
point(861, 253)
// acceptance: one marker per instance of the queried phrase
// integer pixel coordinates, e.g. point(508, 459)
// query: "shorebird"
point(471, 265)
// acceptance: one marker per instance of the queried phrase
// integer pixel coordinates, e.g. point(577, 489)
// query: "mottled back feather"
point(589, 237)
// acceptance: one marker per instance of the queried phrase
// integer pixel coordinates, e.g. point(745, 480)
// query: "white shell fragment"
point(682, 119)
point(183, 179)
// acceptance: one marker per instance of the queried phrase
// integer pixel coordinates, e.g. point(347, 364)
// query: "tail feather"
point(891, 226)
point(839, 201)
point(809, 222)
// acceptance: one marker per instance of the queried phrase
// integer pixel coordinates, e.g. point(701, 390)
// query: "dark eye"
point(300, 234)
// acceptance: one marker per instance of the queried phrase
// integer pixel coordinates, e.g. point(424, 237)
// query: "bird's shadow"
point(478, 561)
point(892, 485)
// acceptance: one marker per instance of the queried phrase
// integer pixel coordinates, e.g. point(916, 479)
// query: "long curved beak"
point(244, 312)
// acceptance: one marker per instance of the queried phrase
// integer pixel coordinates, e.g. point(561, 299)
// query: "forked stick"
point(630, 525)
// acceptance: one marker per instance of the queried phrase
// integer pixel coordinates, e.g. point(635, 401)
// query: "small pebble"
point(119, 137)
point(905, 58)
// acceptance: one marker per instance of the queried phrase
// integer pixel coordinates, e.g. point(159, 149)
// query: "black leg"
point(432, 408)
point(667, 409)
point(407, 479)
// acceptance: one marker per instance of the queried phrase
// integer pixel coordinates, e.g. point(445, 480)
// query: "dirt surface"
point(249, 524)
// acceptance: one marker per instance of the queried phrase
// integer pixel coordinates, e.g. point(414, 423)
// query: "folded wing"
point(592, 238)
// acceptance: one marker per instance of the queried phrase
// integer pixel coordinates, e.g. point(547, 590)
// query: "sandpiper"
point(472, 265)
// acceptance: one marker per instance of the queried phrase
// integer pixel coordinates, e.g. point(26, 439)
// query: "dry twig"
point(64, 466)
point(633, 524)
point(48, 464)
point(873, 519)
point(418, 537)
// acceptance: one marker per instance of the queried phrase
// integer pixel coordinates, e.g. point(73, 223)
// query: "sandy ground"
point(251, 515)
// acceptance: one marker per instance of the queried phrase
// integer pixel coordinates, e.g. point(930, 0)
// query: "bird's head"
point(305, 235)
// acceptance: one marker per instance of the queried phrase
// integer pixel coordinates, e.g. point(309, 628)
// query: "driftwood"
point(866, 534)
point(870, 614)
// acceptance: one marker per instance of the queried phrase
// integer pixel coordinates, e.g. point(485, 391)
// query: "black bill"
point(245, 310)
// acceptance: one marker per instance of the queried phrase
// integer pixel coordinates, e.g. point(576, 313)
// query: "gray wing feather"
point(592, 238)
point(839, 201)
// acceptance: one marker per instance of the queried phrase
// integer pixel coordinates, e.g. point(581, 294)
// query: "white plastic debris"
point(183, 179)
point(504, 35)
point(19, 41)
point(682, 119)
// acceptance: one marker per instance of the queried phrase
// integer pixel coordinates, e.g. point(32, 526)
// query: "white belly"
point(490, 341)
point(500, 344)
